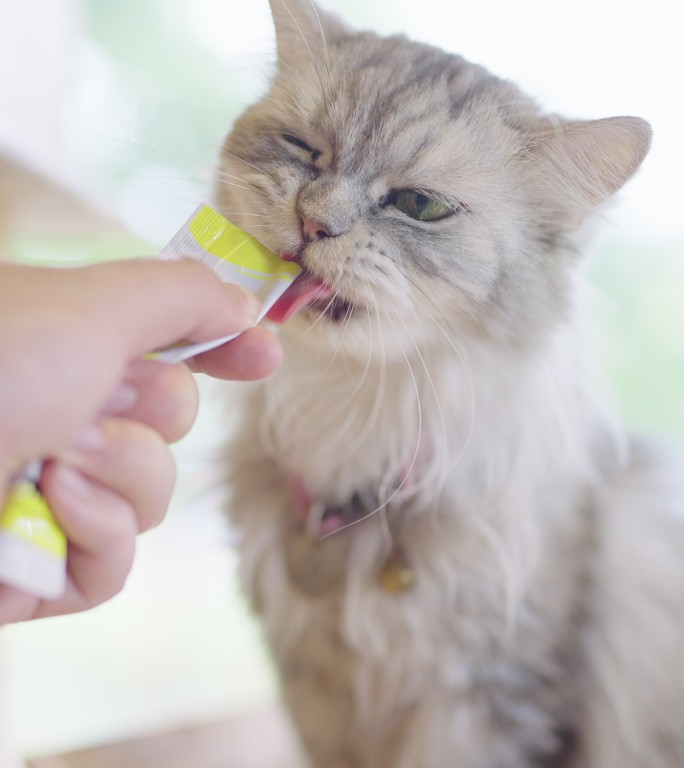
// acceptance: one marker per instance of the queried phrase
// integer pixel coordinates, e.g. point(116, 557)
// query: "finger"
point(157, 394)
point(132, 461)
point(255, 354)
point(16, 605)
point(166, 301)
point(115, 482)
point(101, 527)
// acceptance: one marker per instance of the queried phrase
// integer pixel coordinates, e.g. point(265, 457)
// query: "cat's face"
point(425, 198)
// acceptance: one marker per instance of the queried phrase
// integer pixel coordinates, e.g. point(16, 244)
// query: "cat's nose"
point(313, 230)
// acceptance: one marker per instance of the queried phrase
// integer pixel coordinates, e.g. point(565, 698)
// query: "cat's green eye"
point(420, 206)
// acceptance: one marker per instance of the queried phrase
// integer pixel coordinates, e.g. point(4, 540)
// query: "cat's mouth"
point(311, 293)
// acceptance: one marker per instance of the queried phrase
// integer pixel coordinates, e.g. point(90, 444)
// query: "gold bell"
point(397, 575)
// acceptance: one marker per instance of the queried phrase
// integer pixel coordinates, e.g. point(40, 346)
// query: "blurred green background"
point(149, 89)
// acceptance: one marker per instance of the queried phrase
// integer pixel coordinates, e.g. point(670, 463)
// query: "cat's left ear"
point(585, 163)
point(302, 31)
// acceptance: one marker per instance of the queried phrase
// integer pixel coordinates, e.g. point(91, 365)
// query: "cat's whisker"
point(436, 480)
point(226, 153)
point(321, 315)
point(320, 29)
point(340, 341)
point(369, 424)
point(439, 448)
point(228, 183)
point(223, 176)
point(169, 177)
point(408, 470)
point(486, 528)
point(260, 226)
point(355, 439)
point(299, 29)
point(459, 354)
point(243, 214)
point(419, 407)
point(346, 396)
point(322, 72)
point(233, 184)
point(210, 170)
point(398, 468)
point(313, 58)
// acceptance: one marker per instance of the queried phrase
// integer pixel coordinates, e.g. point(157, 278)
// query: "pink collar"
point(321, 519)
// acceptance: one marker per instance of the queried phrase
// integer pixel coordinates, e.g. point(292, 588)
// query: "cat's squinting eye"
point(420, 206)
point(290, 139)
point(296, 142)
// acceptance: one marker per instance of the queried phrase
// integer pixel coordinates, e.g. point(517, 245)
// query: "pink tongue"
point(303, 291)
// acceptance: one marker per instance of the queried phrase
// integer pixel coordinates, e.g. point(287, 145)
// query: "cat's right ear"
point(302, 30)
point(584, 163)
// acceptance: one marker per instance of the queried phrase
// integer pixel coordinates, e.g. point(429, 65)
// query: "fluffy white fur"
point(546, 620)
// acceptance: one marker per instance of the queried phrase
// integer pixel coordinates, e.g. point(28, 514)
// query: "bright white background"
point(129, 101)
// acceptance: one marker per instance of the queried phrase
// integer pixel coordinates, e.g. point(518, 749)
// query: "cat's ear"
point(585, 163)
point(302, 30)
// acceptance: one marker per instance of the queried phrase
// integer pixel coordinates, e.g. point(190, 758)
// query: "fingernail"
point(122, 399)
point(72, 483)
point(248, 302)
point(89, 439)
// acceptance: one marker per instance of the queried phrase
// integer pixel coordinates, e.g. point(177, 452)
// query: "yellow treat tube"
point(33, 548)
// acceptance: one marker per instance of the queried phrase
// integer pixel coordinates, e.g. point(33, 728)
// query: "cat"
point(458, 557)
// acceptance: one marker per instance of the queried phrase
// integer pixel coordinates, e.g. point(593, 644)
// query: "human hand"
point(74, 389)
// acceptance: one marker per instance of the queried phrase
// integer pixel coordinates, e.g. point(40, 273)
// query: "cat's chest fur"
point(435, 461)
point(472, 425)
point(489, 519)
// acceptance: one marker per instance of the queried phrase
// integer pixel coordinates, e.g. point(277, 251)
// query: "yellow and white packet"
point(236, 257)
point(33, 549)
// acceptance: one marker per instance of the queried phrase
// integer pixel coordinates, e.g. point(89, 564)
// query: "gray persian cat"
point(458, 558)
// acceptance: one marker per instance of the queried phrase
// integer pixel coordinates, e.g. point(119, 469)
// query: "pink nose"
point(312, 230)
